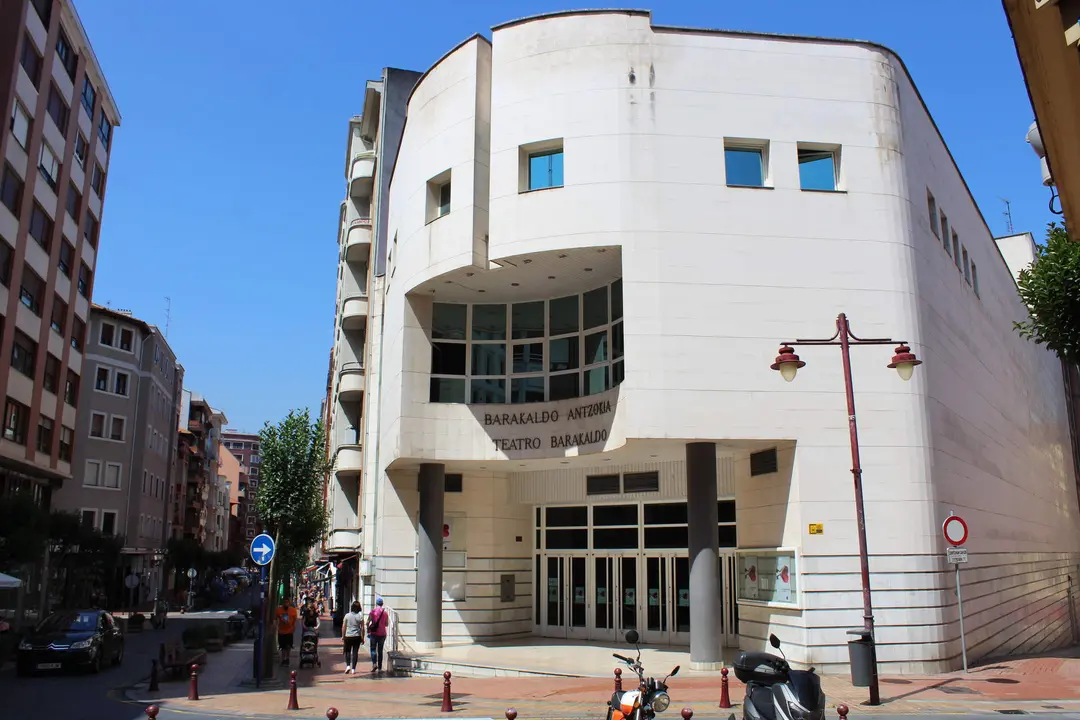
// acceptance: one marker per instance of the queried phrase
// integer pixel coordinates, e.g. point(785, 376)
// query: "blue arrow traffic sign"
point(262, 549)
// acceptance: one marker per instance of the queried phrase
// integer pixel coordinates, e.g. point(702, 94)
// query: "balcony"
point(354, 312)
point(350, 460)
point(362, 175)
point(358, 240)
point(351, 382)
point(343, 539)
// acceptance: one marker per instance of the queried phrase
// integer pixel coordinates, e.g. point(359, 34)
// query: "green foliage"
point(24, 531)
point(1051, 290)
point(83, 560)
point(293, 467)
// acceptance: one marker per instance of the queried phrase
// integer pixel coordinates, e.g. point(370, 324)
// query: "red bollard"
point(447, 705)
point(293, 704)
point(687, 713)
point(331, 713)
point(725, 698)
point(153, 687)
point(152, 711)
point(842, 710)
point(193, 690)
point(618, 679)
point(511, 714)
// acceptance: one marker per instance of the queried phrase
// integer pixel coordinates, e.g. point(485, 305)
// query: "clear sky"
point(228, 168)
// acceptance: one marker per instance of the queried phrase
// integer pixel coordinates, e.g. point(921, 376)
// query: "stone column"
point(429, 571)
point(705, 628)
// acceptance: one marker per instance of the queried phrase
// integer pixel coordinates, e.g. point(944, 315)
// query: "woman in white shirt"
point(352, 635)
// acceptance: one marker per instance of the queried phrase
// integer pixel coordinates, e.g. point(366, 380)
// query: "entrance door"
point(729, 608)
point(567, 607)
point(656, 607)
point(614, 596)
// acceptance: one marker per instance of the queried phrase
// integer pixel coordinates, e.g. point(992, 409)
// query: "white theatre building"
point(588, 237)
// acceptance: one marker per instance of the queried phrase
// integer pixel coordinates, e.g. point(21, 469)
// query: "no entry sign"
point(955, 530)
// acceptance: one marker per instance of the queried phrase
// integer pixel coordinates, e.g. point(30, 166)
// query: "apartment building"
point(197, 494)
point(124, 438)
point(245, 448)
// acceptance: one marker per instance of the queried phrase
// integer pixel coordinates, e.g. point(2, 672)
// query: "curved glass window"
point(526, 352)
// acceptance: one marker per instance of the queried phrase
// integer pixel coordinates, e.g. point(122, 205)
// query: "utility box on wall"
point(507, 590)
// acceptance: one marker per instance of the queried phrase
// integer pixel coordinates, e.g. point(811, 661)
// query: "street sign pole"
point(262, 552)
point(960, 607)
point(955, 531)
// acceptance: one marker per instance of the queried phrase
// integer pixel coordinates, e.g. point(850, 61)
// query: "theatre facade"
point(589, 242)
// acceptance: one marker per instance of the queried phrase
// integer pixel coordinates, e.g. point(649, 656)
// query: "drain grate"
point(1012, 712)
point(958, 690)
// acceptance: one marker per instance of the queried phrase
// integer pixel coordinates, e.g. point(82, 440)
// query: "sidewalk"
point(1032, 685)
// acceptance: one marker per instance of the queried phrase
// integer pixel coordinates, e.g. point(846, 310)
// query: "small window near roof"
point(818, 167)
point(763, 462)
point(745, 164)
point(438, 196)
point(931, 207)
point(602, 485)
point(546, 170)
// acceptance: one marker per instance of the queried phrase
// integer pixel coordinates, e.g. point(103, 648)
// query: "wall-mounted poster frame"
point(768, 577)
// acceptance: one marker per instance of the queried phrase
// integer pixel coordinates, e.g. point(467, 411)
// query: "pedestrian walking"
point(286, 627)
point(378, 621)
point(310, 614)
point(352, 636)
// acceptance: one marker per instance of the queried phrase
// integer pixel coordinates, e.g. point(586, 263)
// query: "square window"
point(596, 380)
point(596, 347)
point(564, 387)
point(595, 308)
point(744, 166)
point(23, 354)
point(20, 124)
point(127, 339)
point(97, 425)
point(488, 391)
point(448, 358)
point(563, 315)
point(448, 321)
point(529, 358)
point(438, 196)
point(31, 290)
point(564, 353)
point(108, 334)
point(527, 320)
point(489, 322)
point(112, 475)
point(527, 390)
point(818, 167)
point(546, 169)
point(16, 420)
point(89, 517)
point(488, 359)
point(92, 477)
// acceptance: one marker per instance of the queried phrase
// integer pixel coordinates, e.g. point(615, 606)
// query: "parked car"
point(70, 639)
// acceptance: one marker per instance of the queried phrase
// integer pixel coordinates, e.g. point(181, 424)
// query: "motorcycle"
point(776, 692)
point(648, 698)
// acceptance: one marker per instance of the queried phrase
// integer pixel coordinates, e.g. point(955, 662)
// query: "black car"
point(71, 639)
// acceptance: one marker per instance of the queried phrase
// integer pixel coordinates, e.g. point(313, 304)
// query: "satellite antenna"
point(1008, 216)
point(168, 314)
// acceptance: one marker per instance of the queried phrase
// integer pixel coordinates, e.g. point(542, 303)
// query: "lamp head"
point(904, 362)
point(787, 362)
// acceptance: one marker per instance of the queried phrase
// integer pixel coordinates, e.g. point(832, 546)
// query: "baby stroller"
point(309, 648)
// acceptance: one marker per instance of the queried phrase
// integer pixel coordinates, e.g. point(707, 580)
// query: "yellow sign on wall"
point(817, 529)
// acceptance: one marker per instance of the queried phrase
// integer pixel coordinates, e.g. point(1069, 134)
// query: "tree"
point(292, 466)
point(1051, 290)
point(24, 531)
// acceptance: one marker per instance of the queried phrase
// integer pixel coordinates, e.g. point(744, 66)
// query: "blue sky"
point(229, 165)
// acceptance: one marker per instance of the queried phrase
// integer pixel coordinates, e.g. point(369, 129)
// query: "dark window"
point(74, 202)
point(615, 514)
point(31, 60)
point(567, 516)
point(71, 389)
point(108, 523)
point(44, 434)
point(67, 437)
point(602, 485)
point(665, 514)
point(90, 230)
point(127, 339)
point(58, 319)
point(11, 189)
point(108, 334)
point(31, 290)
point(615, 539)
point(89, 96)
point(16, 420)
point(567, 539)
point(448, 358)
point(97, 180)
point(563, 387)
point(44, 11)
point(7, 257)
point(104, 132)
point(78, 334)
point(85, 278)
point(23, 354)
point(666, 537)
point(41, 226)
point(641, 482)
point(763, 462)
point(58, 109)
point(453, 483)
point(728, 536)
point(52, 373)
point(725, 511)
point(80, 149)
point(67, 257)
point(67, 55)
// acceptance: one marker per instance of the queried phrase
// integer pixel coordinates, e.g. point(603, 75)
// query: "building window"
point(31, 290)
point(97, 425)
point(108, 519)
point(92, 476)
point(931, 207)
point(638, 482)
point(52, 373)
point(67, 439)
point(58, 109)
point(11, 189)
point(71, 389)
point(68, 59)
point(104, 132)
point(31, 60)
point(117, 425)
point(80, 150)
point(543, 165)
point(819, 167)
point(89, 96)
point(58, 321)
point(127, 339)
point(7, 259)
point(41, 226)
point(20, 124)
point(121, 384)
point(745, 164)
point(90, 230)
point(97, 180)
point(453, 483)
point(89, 517)
point(44, 434)
point(975, 279)
point(945, 232)
point(74, 202)
point(967, 264)
point(49, 165)
point(101, 379)
point(528, 352)
point(85, 276)
point(438, 196)
point(763, 462)
point(16, 421)
point(108, 334)
point(956, 250)
point(67, 257)
point(23, 354)
point(112, 475)
point(602, 485)
point(78, 334)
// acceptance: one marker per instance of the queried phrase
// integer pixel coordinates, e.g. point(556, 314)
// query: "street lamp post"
point(904, 362)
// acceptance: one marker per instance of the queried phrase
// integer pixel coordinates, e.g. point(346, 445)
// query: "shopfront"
point(602, 569)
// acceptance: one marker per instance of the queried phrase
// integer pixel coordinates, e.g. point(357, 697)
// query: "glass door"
point(729, 608)
point(680, 601)
point(577, 597)
point(614, 597)
point(555, 582)
point(656, 607)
